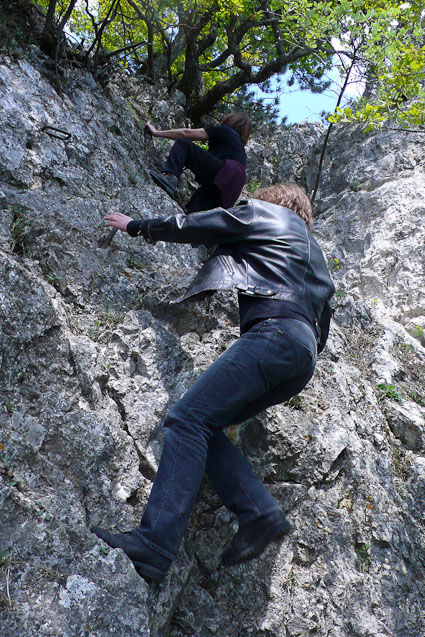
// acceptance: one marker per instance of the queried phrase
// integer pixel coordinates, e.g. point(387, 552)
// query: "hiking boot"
point(166, 181)
point(252, 538)
point(147, 562)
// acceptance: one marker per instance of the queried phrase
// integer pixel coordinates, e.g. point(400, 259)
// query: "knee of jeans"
point(173, 417)
point(180, 420)
point(177, 418)
point(183, 142)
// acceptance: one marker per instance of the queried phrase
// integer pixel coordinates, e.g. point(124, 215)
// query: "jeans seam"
point(260, 361)
point(244, 489)
point(158, 549)
point(269, 344)
point(169, 482)
point(253, 332)
point(296, 341)
point(219, 371)
point(293, 323)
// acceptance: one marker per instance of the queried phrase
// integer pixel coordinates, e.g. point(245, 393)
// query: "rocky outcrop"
point(93, 352)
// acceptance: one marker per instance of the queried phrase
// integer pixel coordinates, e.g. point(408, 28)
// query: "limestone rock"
point(93, 351)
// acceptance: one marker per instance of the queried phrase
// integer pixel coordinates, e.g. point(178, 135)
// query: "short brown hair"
point(241, 123)
point(289, 195)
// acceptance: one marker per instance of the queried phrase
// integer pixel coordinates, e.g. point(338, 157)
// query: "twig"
point(328, 132)
point(7, 586)
point(403, 130)
point(107, 242)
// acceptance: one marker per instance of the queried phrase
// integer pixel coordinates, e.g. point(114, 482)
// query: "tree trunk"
point(48, 25)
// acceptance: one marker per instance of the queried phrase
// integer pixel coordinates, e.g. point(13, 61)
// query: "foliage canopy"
point(214, 50)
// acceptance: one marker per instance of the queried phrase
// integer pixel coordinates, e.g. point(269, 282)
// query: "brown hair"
point(289, 195)
point(241, 123)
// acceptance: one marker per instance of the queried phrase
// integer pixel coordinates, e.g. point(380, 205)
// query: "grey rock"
point(93, 351)
point(281, 155)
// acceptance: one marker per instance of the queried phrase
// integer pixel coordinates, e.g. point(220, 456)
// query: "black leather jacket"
point(263, 250)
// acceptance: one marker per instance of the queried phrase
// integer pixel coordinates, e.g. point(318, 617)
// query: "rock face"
point(93, 352)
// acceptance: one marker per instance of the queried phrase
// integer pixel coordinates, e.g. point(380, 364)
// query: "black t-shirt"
point(226, 143)
point(253, 309)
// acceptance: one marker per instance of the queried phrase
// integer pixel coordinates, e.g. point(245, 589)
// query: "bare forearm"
point(175, 133)
point(193, 134)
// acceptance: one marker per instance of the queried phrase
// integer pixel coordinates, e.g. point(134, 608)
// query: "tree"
point(207, 49)
point(213, 50)
point(385, 41)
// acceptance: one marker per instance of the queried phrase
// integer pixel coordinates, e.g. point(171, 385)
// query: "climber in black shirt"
point(220, 170)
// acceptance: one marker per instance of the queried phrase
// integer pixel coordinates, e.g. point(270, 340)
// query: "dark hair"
point(289, 195)
point(241, 123)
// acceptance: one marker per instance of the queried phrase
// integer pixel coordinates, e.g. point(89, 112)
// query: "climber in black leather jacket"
point(264, 251)
point(267, 254)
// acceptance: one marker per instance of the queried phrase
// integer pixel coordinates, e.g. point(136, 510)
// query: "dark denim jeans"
point(267, 365)
point(204, 165)
point(186, 154)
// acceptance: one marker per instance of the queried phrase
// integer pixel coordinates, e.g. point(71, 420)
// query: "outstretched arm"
point(209, 227)
point(192, 134)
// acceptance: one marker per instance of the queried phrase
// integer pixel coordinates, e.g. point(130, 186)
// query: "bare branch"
point(245, 76)
point(129, 47)
point(328, 132)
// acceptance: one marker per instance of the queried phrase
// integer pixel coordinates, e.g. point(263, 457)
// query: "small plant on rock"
point(9, 406)
point(390, 391)
point(418, 331)
point(364, 559)
point(252, 186)
point(335, 264)
point(53, 279)
point(134, 262)
point(297, 403)
point(17, 231)
point(355, 186)
point(109, 318)
point(417, 397)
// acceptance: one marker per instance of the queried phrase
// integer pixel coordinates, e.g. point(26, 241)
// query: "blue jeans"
point(267, 365)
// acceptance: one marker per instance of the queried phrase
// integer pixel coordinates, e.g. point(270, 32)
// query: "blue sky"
point(298, 105)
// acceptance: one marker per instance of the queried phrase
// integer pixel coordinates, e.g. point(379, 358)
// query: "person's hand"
point(150, 128)
point(118, 220)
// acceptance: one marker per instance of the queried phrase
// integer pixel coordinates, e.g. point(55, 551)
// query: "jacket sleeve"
point(209, 227)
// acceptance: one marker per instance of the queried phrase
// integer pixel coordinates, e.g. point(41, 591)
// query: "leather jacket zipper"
point(226, 264)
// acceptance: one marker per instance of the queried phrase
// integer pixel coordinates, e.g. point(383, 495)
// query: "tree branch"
point(67, 15)
point(328, 132)
point(245, 76)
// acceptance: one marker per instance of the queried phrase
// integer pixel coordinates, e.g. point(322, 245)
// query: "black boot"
point(166, 181)
point(254, 537)
point(147, 562)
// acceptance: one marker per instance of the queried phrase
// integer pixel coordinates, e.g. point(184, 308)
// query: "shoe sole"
point(144, 570)
point(269, 536)
point(149, 572)
point(164, 185)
